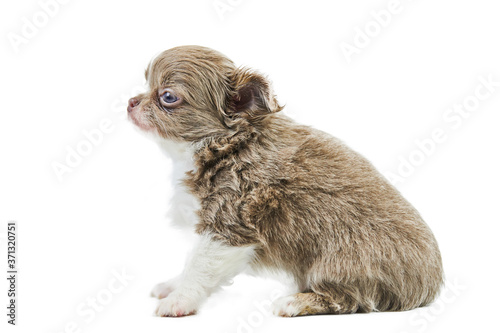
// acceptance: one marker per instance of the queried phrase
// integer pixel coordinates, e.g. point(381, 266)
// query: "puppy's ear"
point(253, 95)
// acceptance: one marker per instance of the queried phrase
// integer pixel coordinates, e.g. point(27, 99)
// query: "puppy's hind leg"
point(301, 304)
point(334, 300)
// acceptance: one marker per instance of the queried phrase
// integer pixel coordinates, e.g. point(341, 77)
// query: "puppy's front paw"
point(162, 290)
point(176, 305)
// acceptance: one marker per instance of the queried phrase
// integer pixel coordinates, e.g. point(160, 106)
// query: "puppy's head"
point(197, 93)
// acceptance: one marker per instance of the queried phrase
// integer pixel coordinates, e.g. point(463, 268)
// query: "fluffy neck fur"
point(183, 205)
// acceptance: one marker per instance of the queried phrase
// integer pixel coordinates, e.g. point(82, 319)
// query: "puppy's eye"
point(169, 99)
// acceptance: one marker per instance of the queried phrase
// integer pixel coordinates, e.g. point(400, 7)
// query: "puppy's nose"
point(132, 103)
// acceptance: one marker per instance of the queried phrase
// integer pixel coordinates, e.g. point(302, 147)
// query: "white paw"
point(162, 290)
point(285, 307)
point(176, 305)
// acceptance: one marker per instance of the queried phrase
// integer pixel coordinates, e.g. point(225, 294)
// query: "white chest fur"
point(183, 205)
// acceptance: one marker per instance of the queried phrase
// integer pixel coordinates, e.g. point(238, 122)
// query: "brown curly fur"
point(311, 206)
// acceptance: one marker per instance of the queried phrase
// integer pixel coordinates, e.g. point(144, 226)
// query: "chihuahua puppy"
point(264, 192)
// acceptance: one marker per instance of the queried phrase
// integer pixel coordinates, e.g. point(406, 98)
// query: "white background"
point(108, 214)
